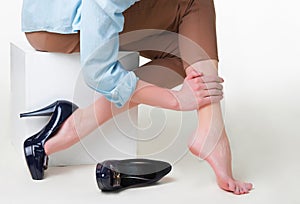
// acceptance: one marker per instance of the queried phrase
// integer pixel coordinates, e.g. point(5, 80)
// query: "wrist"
point(150, 94)
point(174, 101)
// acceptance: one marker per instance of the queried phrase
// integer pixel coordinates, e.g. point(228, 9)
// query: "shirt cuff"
point(124, 90)
point(123, 83)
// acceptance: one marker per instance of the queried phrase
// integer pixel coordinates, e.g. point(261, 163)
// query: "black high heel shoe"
point(36, 158)
point(114, 175)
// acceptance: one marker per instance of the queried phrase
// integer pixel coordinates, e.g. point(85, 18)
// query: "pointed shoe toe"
point(36, 159)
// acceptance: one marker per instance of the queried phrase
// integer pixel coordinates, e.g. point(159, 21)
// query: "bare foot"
point(220, 160)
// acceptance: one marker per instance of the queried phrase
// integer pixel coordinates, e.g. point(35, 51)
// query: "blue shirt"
point(99, 22)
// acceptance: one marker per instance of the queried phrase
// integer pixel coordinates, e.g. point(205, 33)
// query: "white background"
point(259, 48)
point(10, 30)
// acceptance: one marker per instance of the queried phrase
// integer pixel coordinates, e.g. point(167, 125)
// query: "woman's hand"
point(198, 90)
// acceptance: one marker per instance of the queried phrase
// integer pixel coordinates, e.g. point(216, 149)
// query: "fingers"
point(199, 78)
point(194, 74)
point(203, 89)
point(211, 92)
point(211, 85)
point(211, 78)
point(210, 100)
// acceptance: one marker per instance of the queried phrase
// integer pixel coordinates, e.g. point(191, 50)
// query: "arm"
point(197, 91)
point(101, 22)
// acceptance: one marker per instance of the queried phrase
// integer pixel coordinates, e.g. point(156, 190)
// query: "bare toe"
point(234, 186)
point(231, 186)
point(249, 186)
point(237, 190)
point(245, 189)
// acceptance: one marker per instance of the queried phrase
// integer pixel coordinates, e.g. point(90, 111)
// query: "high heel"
point(114, 175)
point(36, 158)
point(47, 111)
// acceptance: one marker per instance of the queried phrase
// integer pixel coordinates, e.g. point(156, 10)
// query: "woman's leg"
point(82, 122)
point(199, 50)
point(210, 142)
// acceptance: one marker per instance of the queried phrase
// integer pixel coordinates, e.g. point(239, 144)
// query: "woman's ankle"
point(204, 141)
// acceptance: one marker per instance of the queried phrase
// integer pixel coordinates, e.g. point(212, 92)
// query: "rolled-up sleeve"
point(101, 22)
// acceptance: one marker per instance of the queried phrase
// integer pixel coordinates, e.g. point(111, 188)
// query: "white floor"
point(264, 155)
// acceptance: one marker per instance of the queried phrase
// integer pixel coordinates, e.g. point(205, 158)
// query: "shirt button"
point(114, 94)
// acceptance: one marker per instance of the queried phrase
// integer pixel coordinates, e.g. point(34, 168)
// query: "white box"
point(39, 78)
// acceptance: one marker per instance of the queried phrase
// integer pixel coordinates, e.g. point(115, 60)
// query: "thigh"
point(151, 28)
point(197, 31)
point(54, 42)
point(151, 43)
point(151, 14)
point(171, 29)
point(167, 72)
point(147, 27)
